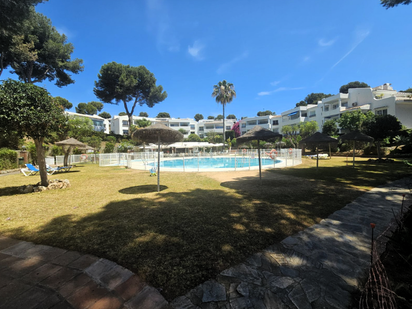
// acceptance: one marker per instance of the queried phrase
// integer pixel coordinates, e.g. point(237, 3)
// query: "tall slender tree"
point(224, 93)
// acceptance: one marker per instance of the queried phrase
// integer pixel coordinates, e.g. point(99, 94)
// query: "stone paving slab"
point(39, 276)
point(316, 268)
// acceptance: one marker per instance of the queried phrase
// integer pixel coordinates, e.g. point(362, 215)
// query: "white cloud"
point(160, 25)
point(275, 83)
point(324, 43)
point(360, 36)
point(262, 93)
point(226, 66)
point(196, 50)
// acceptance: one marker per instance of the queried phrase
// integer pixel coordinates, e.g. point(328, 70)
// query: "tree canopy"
point(90, 108)
point(63, 102)
point(194, 138)
point(356, 84)
point(210, 117)
point(265, 113)
point(38, 52)
point(354, 121)
point(392, 3)
point(122, 114)
point(130, 85)
point(163, 115)
point(330, 127)
point(198, 117)
point(105, 115)
point(30, 111)
point(231, 116)
point(143, 114)
point(219, 117)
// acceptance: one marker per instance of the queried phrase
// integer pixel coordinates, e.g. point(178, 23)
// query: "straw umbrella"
point(160, 134)
point(260, 134)
point(356, 137)
point(71, 142)
point(318, 139)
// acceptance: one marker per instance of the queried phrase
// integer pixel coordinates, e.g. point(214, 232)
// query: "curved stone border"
point(316, 268)
point(38, 276)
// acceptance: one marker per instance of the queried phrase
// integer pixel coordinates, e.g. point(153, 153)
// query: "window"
point(201, 129)
point(275, 122)
point(304, 114)
point(263, 121)
point(312, 114)
point(125, 132)
point(125, 123)
point(335, 106)
point(382, 112)
point(251, 123)
point(228, 127)
point(210, 127)
point(243, 125)
point(192, 127)
point(326, 108)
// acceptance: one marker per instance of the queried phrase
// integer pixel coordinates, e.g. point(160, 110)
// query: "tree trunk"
point(41, 161)
point(378, 149)
point(130, 117)
point(66, 156)
point(224, 138)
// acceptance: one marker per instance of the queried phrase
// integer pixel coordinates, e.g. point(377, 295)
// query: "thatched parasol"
point(160, 134)
point(71, 142)
point(356, 137)
point(260, 134)
point(318, 139)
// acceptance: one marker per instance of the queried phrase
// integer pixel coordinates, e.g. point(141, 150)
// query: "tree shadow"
point(7, 191)
point(174, 241)
point(142, 189)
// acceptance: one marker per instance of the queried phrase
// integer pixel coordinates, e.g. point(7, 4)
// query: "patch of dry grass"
point(198, 225)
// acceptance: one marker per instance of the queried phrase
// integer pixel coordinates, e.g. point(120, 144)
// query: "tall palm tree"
point(224, 92)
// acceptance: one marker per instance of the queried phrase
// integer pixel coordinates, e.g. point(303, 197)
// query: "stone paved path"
point(38, 276)
point(317, 268)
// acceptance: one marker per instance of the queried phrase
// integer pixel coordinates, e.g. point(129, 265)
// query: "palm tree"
point(224, 92)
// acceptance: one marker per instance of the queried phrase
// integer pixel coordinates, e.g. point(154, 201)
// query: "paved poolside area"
point(317, 268)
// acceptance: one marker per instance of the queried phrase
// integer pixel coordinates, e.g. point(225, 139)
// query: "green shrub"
point(109, 147)
point(8, 159)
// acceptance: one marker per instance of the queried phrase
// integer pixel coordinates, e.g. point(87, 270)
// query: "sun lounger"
point(59, 168)
point(29, 170)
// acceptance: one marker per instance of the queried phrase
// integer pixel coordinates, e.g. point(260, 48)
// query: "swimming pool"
point(214, 163)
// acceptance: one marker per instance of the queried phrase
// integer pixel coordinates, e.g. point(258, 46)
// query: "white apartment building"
point(381, 100)
point(205, 126)
point(99, 124)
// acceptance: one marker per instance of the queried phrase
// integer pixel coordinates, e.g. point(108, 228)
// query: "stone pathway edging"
point(316, 268)
point(38, 276)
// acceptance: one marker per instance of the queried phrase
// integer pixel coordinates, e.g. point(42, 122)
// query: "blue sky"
point(274, 52)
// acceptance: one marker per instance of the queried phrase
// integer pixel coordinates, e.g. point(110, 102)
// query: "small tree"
point(231, 116)
point(210, 117)
point(143, 114)
point(29, 110)
point(345, 88)
point(194, 138)
point(63, 102)
point(198, 117)
point(330, 127)
point(105, 115)
point(219, 117)
point(163, 115)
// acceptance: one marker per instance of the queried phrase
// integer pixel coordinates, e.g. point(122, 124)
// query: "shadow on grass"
point(142, 189)
point(7, 191)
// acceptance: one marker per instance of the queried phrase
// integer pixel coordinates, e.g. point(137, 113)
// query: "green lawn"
point(195, 227)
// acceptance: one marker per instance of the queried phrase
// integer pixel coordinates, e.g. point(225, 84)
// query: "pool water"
point(215, 162)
